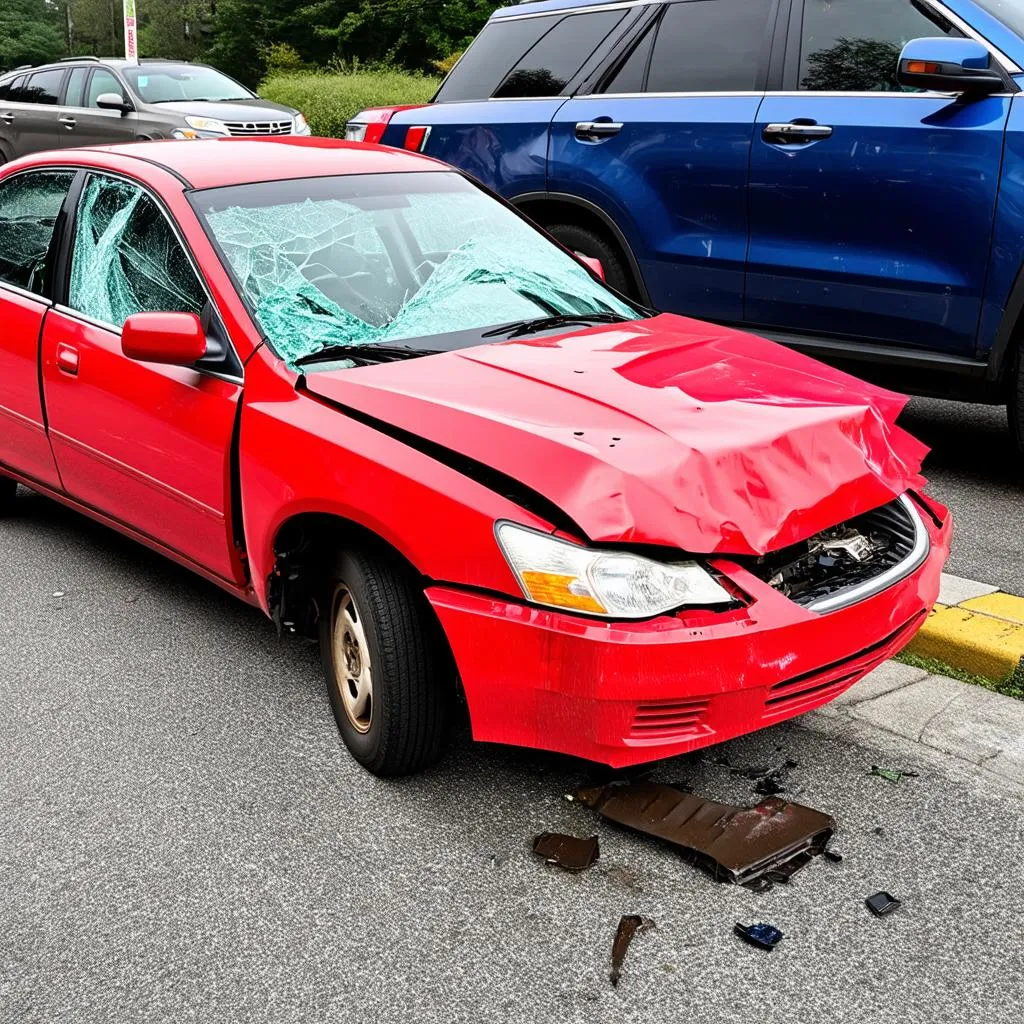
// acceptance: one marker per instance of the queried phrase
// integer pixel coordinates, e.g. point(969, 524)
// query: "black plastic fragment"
point(568, 852)
point(629, 926)
point(892, 774)
point(882, 903)
point(764, 936)
point(836, 858)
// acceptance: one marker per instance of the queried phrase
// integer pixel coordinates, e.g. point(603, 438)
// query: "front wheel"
point(589, 243)
point(389, 674)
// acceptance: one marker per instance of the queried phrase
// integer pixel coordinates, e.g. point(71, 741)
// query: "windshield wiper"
point(362, 354)
point(522, 327)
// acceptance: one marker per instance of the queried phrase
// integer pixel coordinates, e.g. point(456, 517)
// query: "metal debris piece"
point(769, 786)
point(568, 852)
point(764, 936)
point(882, 903)
point(628, 927)
point(892, 774)
point(742, 845)
point(836, 858)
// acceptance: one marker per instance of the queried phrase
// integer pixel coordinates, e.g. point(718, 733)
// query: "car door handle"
point(68, 122)
point(795, 132)
point(8, 118)
point(67, 359)
point(591, 131)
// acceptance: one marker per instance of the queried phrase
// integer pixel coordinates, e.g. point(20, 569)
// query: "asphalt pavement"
point(974, 469)
point(184, 838)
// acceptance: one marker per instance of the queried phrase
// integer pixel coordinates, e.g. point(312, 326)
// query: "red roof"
point(210, 163)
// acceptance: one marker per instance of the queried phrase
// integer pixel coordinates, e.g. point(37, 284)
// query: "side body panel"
point(503, 143)
point(23, 443)
point(881, 231)
point(148, 445)
point(675, 181)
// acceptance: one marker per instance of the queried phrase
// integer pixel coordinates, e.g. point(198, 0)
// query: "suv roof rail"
point(163, 60)
point(84, 56)
point(22, 67)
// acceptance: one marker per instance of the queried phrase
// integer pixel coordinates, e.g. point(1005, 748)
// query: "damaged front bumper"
point(627, 693)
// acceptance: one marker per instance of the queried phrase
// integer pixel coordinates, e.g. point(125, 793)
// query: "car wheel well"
point(302, 549)
point(550, 211)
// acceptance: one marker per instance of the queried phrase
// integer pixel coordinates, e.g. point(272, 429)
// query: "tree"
point(29, 33)
point(854, 65)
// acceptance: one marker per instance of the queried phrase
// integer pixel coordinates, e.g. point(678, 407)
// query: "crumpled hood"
point(667, 431)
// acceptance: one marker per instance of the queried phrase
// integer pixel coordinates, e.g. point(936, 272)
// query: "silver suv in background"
point(86, 101)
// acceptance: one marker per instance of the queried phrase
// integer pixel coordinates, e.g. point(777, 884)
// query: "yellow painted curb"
point(999, 606)
point(972, 640)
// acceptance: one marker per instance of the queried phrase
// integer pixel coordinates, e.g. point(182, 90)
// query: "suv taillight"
point(369, 125)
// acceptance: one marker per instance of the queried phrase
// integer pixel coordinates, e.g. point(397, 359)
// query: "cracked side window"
point(126, 259)
point(29, 204)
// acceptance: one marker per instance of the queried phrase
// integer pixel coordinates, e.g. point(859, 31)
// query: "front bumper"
point(626, 693)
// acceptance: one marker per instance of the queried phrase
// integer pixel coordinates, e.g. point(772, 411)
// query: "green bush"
point(329, 100)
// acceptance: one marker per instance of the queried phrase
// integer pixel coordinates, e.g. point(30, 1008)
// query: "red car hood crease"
point(667, 431)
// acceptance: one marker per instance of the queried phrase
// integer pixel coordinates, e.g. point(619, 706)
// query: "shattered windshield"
point(386, 258)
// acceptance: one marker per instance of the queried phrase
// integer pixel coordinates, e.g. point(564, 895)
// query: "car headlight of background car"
point(612, 584)
point(201, 128)
point(300, 126)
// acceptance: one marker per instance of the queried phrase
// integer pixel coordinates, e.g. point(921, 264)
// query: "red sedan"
point(352, 387)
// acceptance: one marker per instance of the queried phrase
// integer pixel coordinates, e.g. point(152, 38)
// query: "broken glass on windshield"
point(368, 259)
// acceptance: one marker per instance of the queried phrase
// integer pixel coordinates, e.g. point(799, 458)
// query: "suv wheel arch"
point(551, 208)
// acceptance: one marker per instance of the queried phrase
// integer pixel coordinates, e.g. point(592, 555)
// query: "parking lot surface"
point(183, 837)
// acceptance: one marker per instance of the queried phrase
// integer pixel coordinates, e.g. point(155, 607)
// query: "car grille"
point(259, 127)
point(814, 576)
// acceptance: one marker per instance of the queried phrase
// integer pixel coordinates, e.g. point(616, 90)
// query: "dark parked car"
point(86, 101)
point(846, 176)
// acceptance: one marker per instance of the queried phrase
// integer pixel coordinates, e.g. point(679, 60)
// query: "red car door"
point(29, 205)
point(147, 444)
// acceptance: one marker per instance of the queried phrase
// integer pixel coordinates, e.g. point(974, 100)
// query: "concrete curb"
point(934, 717)
point(975, 628)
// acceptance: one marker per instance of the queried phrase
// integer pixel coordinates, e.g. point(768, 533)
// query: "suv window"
point(75, 92)
point(16, 89)
point(632, 71)
point(29, 205)
point(44, 87)
point(102, 81)
point(492, 55)
point(710, 46)
point(548, 66)
point(852, 46)
point(126, 258)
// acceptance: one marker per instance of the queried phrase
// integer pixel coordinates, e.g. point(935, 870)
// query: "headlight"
point(300, 126)
point(207, 124)
point(613, 584)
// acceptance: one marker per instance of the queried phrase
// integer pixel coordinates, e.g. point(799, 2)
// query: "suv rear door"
point(492, 115)
point(662, 145)
point(880, 231)
point(30, 111)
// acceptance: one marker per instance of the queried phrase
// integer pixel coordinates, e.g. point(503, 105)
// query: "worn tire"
point(1015, 401)
point(410, 666)
point(590, 243)
point(8, 491)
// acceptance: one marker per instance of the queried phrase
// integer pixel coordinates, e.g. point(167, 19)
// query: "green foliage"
point(445, 66)
point(281, 58)
point(330, 100)
point(1012, 687)
point(29, 33)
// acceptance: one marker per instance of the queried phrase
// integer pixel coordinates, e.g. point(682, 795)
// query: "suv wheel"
point(590, 243)
point(1015, 403)
point(8, 490)
point(388, 672)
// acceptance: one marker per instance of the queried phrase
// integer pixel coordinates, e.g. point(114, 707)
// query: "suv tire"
point(589, 243)
point(388, 671)
point(8, 490)
point(1015, 402)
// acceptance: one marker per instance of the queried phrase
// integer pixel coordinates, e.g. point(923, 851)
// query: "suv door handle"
point(68, 122)
point(592, 131)
point(67, 359)
point(8, 118)
point(794, 132)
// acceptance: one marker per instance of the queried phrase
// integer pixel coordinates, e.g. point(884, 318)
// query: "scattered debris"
point(569, 797)
point(568, 852)
point(762, 772)
point(878, 830)
point(769, 786)
point(836, 858)
point(892, 774)
point(628, 927)
point(58, 593)
point(751, 846)
point(882, 903)
point(764, 936)
point(623, 876)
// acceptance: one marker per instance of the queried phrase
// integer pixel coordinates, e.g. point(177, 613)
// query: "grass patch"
point(1012, 687)
point(330, 99)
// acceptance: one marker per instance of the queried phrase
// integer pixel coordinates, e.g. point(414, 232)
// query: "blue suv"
point(845, 176)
